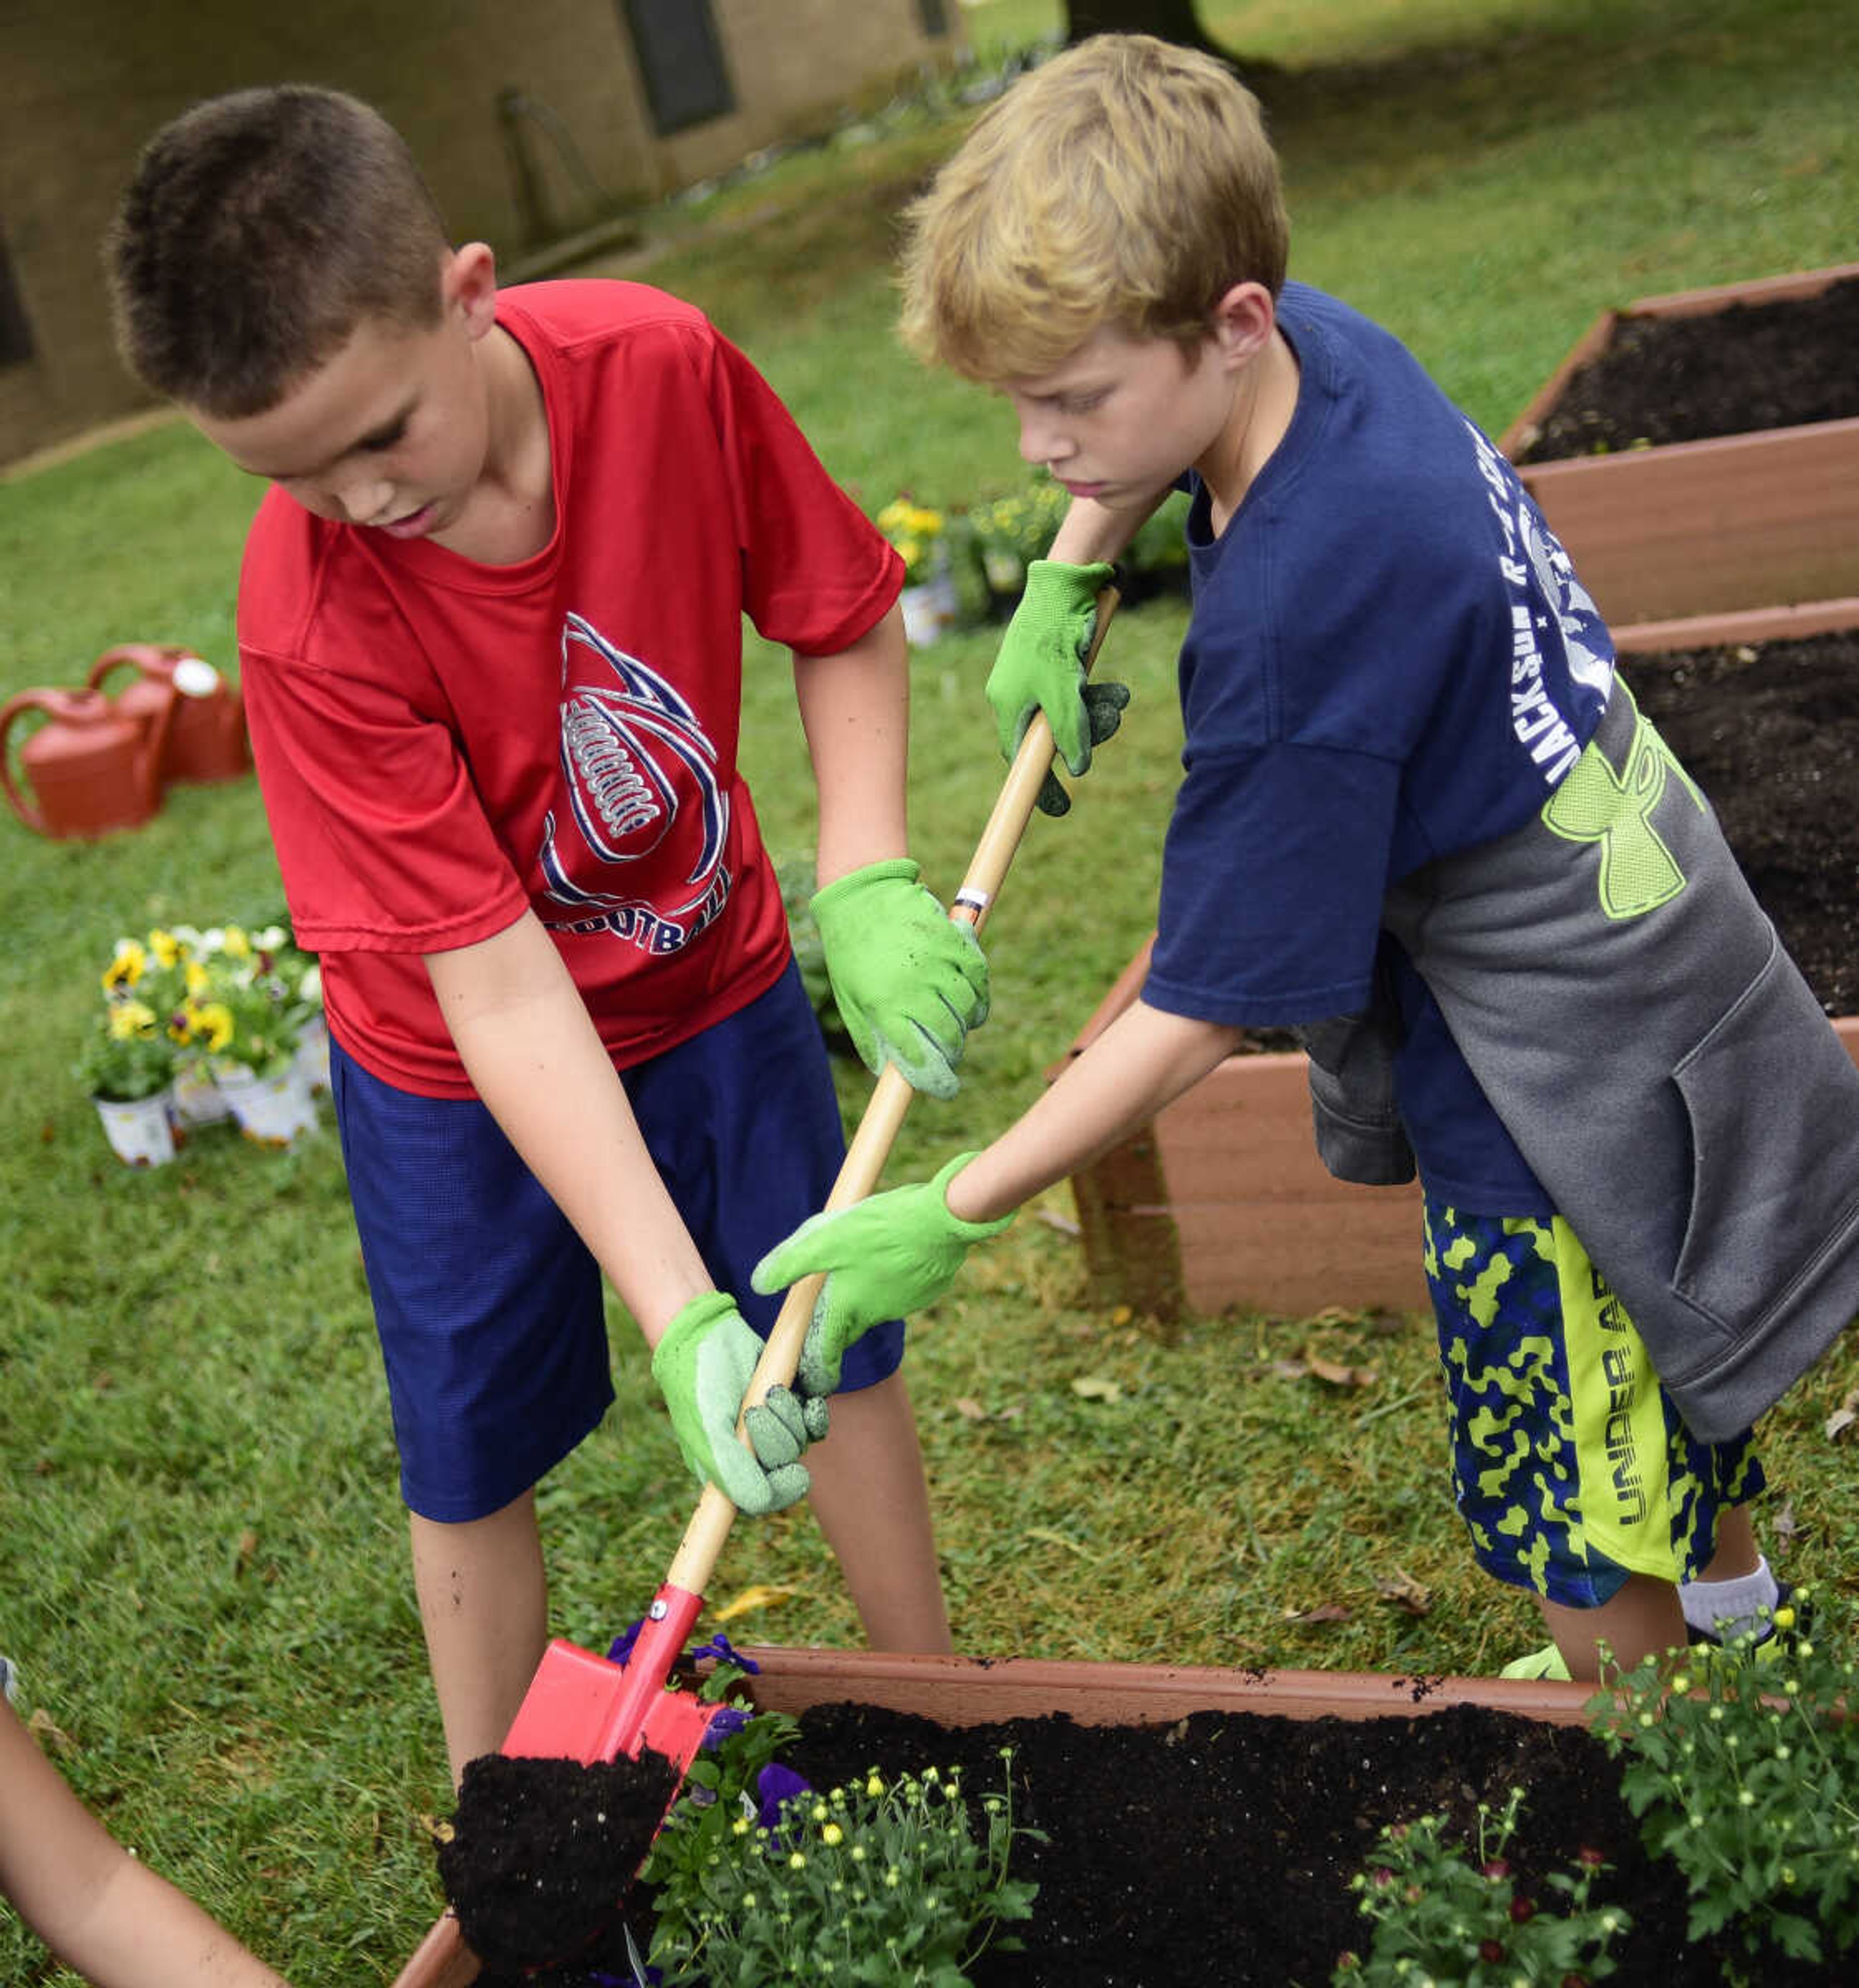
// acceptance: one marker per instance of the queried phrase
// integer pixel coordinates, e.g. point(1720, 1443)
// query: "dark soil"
point(1219, 1850)
point(1735, 371)
point(1770, 731)
point(528, 1863)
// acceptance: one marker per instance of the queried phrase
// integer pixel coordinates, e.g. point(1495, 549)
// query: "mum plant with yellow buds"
point(1743, 1766)
point(897, 1880)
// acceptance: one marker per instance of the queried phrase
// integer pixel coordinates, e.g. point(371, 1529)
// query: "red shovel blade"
point(587, 1708)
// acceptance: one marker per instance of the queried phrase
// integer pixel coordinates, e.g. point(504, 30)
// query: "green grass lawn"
point(207, 1583)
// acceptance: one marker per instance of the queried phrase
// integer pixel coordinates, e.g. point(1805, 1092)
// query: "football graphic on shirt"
point(649, 816)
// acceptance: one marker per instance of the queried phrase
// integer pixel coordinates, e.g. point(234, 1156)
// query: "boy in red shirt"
point(490, 640)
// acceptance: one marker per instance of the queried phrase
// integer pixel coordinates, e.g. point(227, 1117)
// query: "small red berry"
point(1496, 1870)
point(1521, 1909)
point(1491, 1950)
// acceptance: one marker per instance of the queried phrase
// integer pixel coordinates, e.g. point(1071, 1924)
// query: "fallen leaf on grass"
point(1338, 1375)
point(1405, 1592)
point(1096, 1388)
point(1842, 1417)
point(49, 1734)
point(750, 1600)
point(972, 1411)
point(1324, 1611)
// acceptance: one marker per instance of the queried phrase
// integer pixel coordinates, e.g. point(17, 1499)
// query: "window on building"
point(682, 59)
point(15, 328)
point(935, 17)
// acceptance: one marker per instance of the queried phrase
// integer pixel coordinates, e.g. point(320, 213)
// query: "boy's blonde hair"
point(260, 230)
point(1126, 183)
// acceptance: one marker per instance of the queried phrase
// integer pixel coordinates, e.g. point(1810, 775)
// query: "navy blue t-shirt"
point(1390, 659)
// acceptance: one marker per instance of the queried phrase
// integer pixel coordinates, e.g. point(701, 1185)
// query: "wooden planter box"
point(1221, 1201)
point(969, 1690)
point(1741, 522)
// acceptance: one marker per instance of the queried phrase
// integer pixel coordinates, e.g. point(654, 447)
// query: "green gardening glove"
point(1041, 667)
point(911, 981)
point(891, 1254)
point(702, 1366)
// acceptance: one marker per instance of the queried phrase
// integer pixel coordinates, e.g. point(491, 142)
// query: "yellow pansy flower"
point(131, 1018)
point(126, 968)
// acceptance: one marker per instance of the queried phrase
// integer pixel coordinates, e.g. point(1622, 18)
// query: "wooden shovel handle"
point(864, 1163)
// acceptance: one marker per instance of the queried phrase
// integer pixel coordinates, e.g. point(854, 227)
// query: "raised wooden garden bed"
point(1202, 1824)
point(1221, 1202)
point(908, 1712)
point(1677, 530)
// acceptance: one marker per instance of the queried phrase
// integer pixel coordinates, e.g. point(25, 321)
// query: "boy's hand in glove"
point(911, 981)
point(702, 1366)
point(889, 1254)
point(1041, 667)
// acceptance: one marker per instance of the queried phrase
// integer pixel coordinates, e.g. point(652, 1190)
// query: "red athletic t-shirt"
point(440, 743)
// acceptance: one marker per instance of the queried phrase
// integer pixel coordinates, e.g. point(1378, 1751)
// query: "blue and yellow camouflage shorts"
point(1570, 1466)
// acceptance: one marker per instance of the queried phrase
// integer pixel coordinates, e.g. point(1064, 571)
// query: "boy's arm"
point(910, 984)
point(1040, 665)
point(117, 1922)
point(533, 1054)
point(899, 1251)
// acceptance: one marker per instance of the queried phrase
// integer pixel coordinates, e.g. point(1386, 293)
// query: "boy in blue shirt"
point(1422, 822)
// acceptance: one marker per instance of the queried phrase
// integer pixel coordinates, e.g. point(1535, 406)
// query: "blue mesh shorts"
point(1570, 1467)
point(491, 1310)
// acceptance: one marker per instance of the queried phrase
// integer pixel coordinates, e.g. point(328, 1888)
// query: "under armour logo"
point(1638, 873)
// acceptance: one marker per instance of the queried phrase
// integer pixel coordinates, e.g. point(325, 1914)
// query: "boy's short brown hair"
point(260, 230)
point(1126, 183)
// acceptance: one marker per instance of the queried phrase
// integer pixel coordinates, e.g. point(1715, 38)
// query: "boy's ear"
point(1242, 321)
point(468, 284)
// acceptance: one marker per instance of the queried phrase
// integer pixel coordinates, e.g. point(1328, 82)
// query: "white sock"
point(1727, 1609)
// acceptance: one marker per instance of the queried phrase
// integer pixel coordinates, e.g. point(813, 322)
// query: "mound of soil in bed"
point(1735, 371)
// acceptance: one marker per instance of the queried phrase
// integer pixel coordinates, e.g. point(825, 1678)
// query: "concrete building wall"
point(83, 83)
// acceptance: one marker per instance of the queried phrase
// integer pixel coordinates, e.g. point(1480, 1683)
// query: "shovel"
point(581, 1706)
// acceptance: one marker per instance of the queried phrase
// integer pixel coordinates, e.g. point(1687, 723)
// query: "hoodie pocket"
point(1768, 1093)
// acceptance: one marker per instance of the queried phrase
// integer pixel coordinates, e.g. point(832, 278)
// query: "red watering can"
point(89, 769)
point(206, 739)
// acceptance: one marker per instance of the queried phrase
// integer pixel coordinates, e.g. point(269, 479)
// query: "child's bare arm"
point(855, 710)
point(1142, 1061)
point(531, 1049)
point(899, 1251)
point(910, 984)
point(115, 1921)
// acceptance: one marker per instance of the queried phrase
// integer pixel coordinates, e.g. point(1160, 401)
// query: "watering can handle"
point(154, 660)
point(858, 1176)
point(16, 706)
